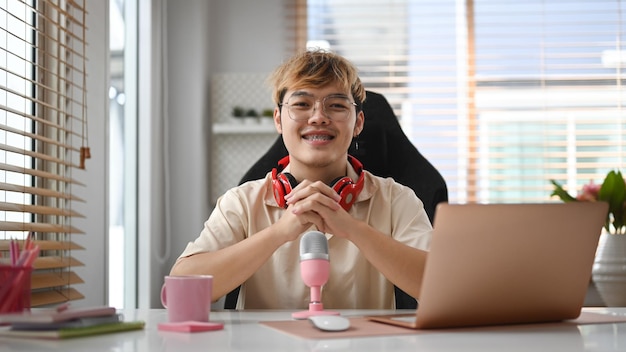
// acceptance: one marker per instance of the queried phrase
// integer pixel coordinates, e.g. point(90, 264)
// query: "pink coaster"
point(190, 326)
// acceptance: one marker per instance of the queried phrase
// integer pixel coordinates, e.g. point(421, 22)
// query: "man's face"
point(318, 124)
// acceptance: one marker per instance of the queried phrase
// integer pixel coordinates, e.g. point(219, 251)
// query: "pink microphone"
point(314, 269)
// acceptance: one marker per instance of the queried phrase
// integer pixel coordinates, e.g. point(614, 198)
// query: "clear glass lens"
point(302, 107)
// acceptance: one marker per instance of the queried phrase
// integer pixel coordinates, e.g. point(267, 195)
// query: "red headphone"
point(284, 182)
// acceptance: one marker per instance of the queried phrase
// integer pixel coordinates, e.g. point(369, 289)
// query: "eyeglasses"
point(302, 107)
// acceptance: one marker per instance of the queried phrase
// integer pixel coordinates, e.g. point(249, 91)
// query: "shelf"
point(252, 128)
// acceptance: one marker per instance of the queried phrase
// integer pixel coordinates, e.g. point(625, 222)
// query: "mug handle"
point(163, 296)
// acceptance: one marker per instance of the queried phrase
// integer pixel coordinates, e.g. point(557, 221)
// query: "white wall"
point(249, 35)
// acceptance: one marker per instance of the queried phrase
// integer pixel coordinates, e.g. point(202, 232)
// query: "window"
point(501, 96)
point(42, 137)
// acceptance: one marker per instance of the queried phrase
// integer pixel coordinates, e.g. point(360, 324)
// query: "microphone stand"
point(314, 269)
point(316, 307)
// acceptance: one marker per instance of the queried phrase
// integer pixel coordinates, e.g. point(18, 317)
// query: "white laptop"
point(492, 264)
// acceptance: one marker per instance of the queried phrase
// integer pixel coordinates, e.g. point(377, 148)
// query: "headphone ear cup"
point(348, 191)
point(349, 194)
point(346, 188)
point(282, 184)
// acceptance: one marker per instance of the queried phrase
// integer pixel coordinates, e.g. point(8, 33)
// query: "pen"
point(29, 242)
point(14, 251)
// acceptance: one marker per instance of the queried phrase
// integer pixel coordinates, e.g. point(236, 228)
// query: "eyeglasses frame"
point(356, 106)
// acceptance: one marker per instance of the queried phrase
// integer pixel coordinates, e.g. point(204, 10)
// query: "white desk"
point(242, 332)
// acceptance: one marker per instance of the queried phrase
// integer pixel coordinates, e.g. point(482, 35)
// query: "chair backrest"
point(384, 150)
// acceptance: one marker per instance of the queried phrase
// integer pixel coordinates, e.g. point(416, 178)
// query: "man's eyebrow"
point(339, 95)
point(300, 93)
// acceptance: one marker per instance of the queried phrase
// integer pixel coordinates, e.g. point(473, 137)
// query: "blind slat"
point(42, 174)
point(46, 245)
point(47, 279)
point(38, 209)
point(38, 227)
point(36, 155)
point(53, 262)
point(53, 297)
point(39, 192)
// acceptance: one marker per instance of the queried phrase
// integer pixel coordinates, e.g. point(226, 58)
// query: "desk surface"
point(242, 332)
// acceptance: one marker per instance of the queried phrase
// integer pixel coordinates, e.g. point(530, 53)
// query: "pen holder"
point(15, 288)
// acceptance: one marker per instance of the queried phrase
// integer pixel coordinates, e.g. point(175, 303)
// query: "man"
point(378, 232)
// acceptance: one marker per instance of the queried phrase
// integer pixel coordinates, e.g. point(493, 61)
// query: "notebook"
point(492, 264)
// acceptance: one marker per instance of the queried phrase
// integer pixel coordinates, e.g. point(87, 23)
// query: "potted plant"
point(238, 112)
point(245, 115)
point(267, 116)
point(609, 268)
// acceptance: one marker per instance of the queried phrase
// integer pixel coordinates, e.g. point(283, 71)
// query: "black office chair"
point(384, 150)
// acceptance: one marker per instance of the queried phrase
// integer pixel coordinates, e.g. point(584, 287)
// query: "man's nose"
point(318, 111)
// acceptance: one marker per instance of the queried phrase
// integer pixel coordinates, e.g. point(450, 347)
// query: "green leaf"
point(613, 191)
point(561, 193)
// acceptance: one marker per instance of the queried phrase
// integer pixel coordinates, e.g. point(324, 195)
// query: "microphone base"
point(314, 309)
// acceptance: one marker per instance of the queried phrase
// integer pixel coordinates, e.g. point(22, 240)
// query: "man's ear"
point(360, 122)
point(277, 122)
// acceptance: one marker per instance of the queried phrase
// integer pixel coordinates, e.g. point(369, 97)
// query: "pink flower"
point(589, 192)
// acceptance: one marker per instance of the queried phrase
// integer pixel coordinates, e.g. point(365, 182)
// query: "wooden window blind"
point(43, 137)
point(501, 96)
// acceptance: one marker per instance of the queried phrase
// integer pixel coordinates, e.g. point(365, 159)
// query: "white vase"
point(609, 269)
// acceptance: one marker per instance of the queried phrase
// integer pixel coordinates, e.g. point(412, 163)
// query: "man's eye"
point(337, 105)
point(301, 104)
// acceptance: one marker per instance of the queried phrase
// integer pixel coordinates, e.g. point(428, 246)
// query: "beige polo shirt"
point(353, 283)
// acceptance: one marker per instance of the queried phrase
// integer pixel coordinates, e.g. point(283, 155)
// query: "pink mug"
point(187, 298)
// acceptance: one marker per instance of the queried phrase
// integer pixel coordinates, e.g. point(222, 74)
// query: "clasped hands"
point(315, 203)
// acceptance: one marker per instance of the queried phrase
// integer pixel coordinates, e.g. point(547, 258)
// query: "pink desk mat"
point(362, 327)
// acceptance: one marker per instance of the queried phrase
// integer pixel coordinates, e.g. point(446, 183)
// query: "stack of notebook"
point(63, 323)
